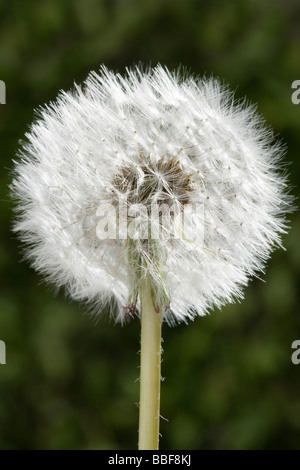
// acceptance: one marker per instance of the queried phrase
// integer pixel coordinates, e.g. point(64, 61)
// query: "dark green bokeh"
point(70, 383)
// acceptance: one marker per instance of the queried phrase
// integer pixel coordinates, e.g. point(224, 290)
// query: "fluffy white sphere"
point(150, 137)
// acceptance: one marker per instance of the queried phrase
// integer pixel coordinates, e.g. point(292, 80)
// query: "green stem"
point(149, 371)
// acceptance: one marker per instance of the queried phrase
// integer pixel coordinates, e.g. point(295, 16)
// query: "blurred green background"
point(69, 382)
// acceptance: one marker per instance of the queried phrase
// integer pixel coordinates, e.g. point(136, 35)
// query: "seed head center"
point(161, 182)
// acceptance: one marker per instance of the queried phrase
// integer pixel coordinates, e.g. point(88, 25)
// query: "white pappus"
point(151, 137)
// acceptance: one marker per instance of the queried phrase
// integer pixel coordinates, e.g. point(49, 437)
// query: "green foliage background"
point(70, 383)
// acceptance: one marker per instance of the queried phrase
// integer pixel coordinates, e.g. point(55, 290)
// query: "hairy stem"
point(149, 371)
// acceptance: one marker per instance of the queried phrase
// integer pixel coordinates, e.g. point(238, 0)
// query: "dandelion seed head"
point(151, 137)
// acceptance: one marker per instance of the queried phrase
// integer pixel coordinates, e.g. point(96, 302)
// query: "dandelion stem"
point(149, 372)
